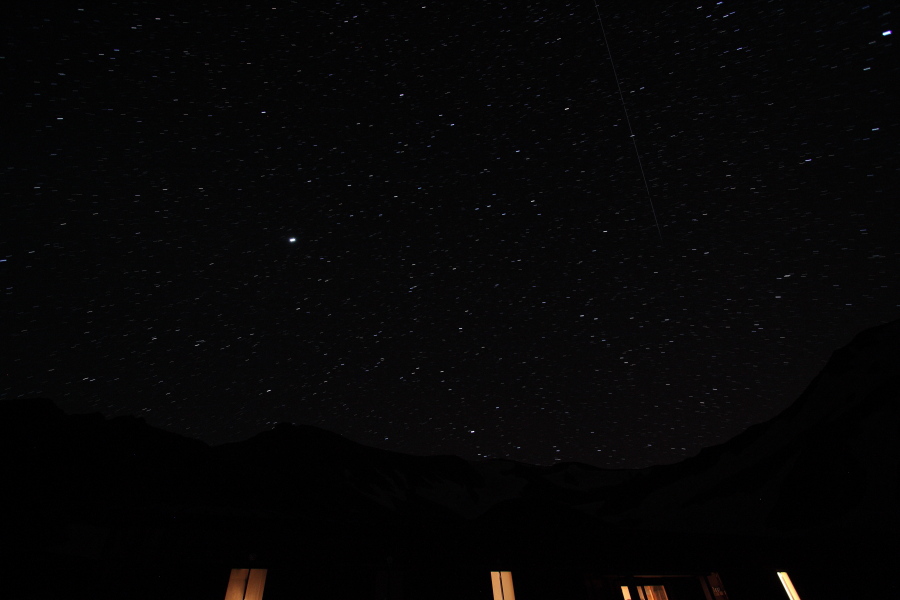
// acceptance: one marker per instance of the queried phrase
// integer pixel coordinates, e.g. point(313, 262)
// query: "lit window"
point(646, 592)
point(246, 584)
point(655, 592)
point(502, 583)
point(788, 586)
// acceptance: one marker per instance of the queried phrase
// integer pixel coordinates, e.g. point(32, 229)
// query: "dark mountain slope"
point(829, 463)
point(112, 489)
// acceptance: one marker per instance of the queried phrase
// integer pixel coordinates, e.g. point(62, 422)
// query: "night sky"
point(424, 225)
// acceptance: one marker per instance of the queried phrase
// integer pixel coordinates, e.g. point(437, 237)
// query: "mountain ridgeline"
point(823, 474)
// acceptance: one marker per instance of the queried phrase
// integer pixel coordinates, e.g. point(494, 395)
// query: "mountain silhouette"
point(817, 482)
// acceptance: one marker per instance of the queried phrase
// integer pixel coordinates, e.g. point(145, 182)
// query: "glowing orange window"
point(246, 584)
point(788, 586)
point(501, 582)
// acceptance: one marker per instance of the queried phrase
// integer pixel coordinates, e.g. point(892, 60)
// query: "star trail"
point(423, 225)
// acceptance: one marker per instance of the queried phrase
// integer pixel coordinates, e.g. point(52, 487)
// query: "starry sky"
point(423, 225)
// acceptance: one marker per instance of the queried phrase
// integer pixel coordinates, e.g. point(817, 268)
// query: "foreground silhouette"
point(115, 503)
